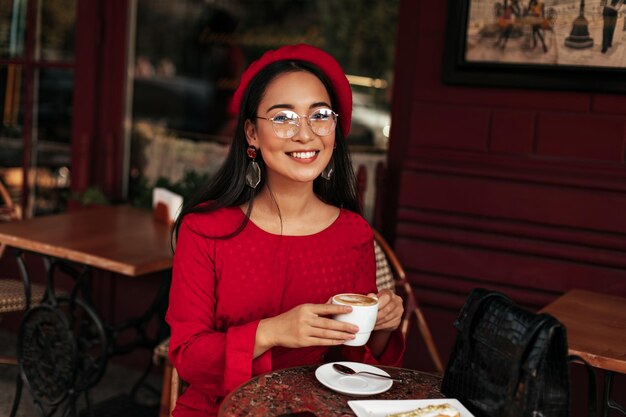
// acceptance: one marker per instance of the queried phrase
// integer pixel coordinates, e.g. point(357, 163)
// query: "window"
point(36, 83)
point(188, 56)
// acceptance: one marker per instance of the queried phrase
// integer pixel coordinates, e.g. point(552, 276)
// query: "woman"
point(274, 237)
point(536, 9)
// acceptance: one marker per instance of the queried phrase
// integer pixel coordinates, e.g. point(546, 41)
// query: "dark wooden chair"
point(172, 384)
point(402, 286)
point(13, 297)
point(13, 294)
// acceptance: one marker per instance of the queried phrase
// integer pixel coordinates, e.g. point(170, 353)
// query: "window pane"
point(51, 139)
point(57, 30)
point(11, 90)
point(12, 28)
point(190, 54)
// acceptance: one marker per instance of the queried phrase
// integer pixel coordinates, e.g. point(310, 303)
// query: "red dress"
point(221, 289)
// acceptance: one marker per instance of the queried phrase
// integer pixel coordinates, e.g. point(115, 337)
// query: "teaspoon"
point(346, 370)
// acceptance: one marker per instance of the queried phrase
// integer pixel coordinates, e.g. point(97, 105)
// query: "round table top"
point(296, 389)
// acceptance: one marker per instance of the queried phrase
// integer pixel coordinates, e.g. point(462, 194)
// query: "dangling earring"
point(253, 172)
point(328, 171)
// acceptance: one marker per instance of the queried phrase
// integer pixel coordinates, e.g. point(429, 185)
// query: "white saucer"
point(355, 385)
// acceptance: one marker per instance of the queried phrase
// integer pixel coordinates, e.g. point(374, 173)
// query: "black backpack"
point(510, 362)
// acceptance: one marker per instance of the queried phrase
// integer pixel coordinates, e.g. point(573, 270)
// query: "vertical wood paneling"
point(112, 71)
point(401, 108)
point(85, 107)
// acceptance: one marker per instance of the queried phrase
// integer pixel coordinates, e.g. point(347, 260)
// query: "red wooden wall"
point(518, 190)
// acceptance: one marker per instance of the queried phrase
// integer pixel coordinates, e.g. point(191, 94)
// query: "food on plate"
point(441, 410)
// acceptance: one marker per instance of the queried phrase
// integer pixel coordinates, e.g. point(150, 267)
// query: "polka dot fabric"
point(221, 289)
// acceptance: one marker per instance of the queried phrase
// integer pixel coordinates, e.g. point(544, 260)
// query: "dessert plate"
point(382, 408)
point(355, 385)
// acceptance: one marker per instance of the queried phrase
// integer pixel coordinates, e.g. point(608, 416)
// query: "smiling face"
point(302, 157)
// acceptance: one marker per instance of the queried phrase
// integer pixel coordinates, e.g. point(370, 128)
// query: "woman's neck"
point(291, 209)
point(293, 201)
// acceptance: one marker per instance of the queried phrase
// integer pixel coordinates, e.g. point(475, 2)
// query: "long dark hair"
point(227, 188)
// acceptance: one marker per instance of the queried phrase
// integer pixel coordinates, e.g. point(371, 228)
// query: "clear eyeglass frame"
point(286, 123)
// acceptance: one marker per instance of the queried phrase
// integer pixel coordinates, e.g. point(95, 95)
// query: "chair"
point(13, 296)
point(173, 386)
point(12, 293)
point(411, 307)
point(384, 274)
point(165, 207)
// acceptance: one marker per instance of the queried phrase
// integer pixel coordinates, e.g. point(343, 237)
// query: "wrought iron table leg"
point(59, 344)
point(608, 402)
point(74, 329)
point(19, 255)
point(18, 395)
point(139, 325)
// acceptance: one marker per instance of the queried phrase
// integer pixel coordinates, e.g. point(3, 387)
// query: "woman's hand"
point(390, 310)
point(304, 325)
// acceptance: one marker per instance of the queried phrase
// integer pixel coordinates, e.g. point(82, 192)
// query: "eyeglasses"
point(286, 123)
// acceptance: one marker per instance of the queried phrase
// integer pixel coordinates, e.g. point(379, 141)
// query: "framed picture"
point(547, 44)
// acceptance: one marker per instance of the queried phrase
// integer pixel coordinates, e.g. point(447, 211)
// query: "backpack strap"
point(555, 332)
point(476, 299)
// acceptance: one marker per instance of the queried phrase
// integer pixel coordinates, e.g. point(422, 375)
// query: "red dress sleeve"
point(204, 356)
point(365, 283)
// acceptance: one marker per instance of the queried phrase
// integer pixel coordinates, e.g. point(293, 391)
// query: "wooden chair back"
point(173, 385)
point(411, 306)
point(9, 211)
point(12, 296)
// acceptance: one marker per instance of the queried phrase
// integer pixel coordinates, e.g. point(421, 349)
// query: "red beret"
point(325, 62)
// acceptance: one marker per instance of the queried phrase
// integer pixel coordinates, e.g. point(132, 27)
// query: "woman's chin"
point(305, 178)
point(304, 173)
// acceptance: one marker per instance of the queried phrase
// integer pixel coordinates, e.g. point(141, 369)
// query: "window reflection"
point(52, 140)
point(189, 56)
point(48, 174)
point(12, 28)
point(54, 105)
point(11, 93)
point(57, 30)
point(36, 102)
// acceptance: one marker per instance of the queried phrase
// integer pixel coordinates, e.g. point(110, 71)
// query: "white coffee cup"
point(363, 314)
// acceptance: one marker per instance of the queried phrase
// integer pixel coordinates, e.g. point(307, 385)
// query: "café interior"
point(488, 142)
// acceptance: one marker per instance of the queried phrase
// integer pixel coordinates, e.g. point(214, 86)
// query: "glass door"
point(36, 83)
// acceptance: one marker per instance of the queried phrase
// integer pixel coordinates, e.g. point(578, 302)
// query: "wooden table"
point(63, 345)
point(297, 389)
point(120, 239)
point(596, 331)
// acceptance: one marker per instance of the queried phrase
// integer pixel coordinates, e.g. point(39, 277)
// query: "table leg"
point(19, 256)
point(139, 325)
point(608, 402)
point(18, 395)
point(62, 344)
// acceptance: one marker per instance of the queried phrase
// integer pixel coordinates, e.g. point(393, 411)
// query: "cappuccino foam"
point(355, 300)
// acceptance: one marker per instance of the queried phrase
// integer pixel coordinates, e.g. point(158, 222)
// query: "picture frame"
point(490, 44)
